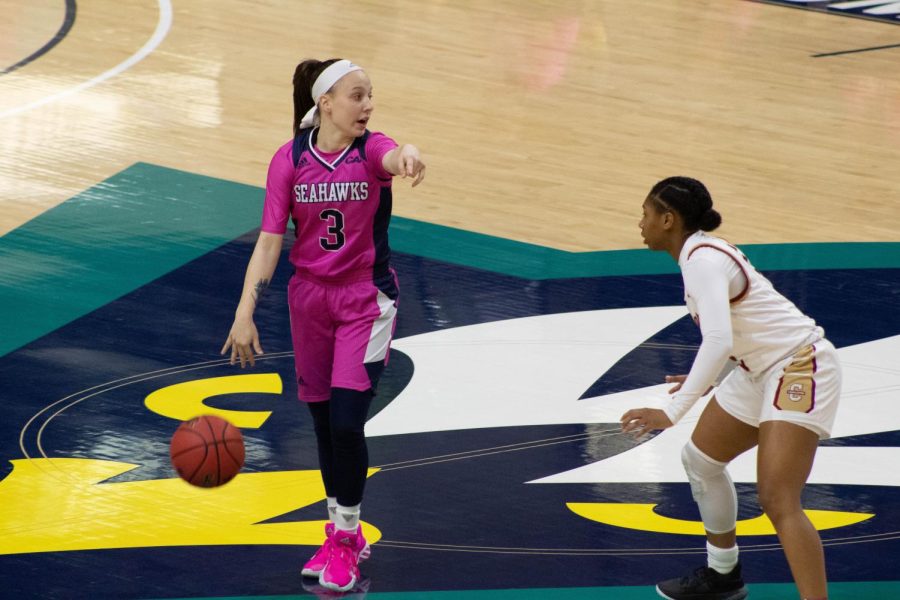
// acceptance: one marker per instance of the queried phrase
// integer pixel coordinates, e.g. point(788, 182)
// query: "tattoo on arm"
point(258, 290)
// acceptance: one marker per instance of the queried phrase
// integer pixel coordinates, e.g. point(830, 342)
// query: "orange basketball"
point(207, 451)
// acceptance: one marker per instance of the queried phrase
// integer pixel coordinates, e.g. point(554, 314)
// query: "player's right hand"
point(243, 341)
point(678, 380)
point(640, 421)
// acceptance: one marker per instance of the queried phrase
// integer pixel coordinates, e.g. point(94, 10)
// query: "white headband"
point(324, 82)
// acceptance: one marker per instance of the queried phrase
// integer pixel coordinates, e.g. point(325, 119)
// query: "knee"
point(323, 430)
point(776, 501)
point(348, 416)
point(321, 419)
point(700, 469)
point(347, 434)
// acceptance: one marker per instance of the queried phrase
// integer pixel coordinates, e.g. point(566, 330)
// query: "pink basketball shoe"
point(315, 565)
point(346, 549)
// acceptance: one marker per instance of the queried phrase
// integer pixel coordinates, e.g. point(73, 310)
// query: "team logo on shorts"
point(795, 392)
point(797, 386)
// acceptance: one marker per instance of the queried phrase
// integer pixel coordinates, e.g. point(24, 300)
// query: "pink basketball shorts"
point(341, 333)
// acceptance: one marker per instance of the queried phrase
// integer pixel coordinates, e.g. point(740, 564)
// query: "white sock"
point(332, 508)
point(722, 560)
point(347, 518)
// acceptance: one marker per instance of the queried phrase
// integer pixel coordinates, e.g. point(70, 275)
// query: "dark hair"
point(304, 77)
point(690, 199)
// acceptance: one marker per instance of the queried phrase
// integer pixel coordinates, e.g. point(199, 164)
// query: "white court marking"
point(532, 371)
point(162, 30)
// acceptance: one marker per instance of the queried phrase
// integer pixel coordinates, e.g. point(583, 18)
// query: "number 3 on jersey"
point(335, 220)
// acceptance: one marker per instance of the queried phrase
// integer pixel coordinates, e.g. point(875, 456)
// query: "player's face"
point(652, 225)
point(351, 103)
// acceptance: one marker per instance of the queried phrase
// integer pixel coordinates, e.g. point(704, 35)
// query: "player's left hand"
point(640, 421)
point(411, 164)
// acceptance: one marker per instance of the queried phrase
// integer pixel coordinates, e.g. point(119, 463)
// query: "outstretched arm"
point(405, 161)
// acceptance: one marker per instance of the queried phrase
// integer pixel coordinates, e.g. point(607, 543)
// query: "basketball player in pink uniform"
point(333, 182)
point(781, 396)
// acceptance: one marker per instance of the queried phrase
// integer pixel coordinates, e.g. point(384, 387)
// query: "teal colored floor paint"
point(148, 220)
point(518, 258)
point(110, 240)
point(537, 262)
point(866, 590)
point(597, 593)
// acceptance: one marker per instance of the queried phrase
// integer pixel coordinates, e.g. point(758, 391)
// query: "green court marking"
point(865, 590)
point(538, 262)
point(148, 221)
point(110, 240)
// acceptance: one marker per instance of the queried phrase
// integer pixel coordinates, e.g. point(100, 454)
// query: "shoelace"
point(345, 552)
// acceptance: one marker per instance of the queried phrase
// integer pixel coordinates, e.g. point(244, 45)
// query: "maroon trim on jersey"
point(743, 293)
point(740, 362)
point(815, 366)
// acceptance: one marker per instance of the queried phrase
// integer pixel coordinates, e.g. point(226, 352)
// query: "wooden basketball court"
point(543, 122)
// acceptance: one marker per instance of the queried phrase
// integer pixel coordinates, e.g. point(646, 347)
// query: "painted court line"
point(162, 30)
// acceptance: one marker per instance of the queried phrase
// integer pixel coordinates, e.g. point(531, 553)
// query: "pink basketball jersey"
point(340, 204)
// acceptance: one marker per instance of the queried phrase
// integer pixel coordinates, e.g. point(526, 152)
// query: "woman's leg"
point(365, 315)
point(349, 411)
point(721, 438)
point(339, 424)
point(321, 416)
point(786, 453)
point(717, 439)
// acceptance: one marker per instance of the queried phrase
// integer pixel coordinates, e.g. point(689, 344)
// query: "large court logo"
point(518, 373)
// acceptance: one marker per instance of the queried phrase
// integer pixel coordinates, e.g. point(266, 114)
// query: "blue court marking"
point(87, 254)
point(64, 29)
point(856, 51)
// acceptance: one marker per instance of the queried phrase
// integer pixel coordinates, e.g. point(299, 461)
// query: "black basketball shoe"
point(705, 584)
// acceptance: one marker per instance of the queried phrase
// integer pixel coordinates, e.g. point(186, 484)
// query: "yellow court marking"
point(642, 517)
point(183, 401)
point(57, 504)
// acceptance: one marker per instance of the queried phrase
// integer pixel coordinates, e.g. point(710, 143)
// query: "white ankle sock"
point(722, 560)
point(347, 517)
point(332, 508)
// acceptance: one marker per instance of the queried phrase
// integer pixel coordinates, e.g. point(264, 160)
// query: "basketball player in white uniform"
point(782, 395)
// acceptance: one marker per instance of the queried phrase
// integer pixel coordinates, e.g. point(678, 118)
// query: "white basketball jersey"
point(766, 326)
